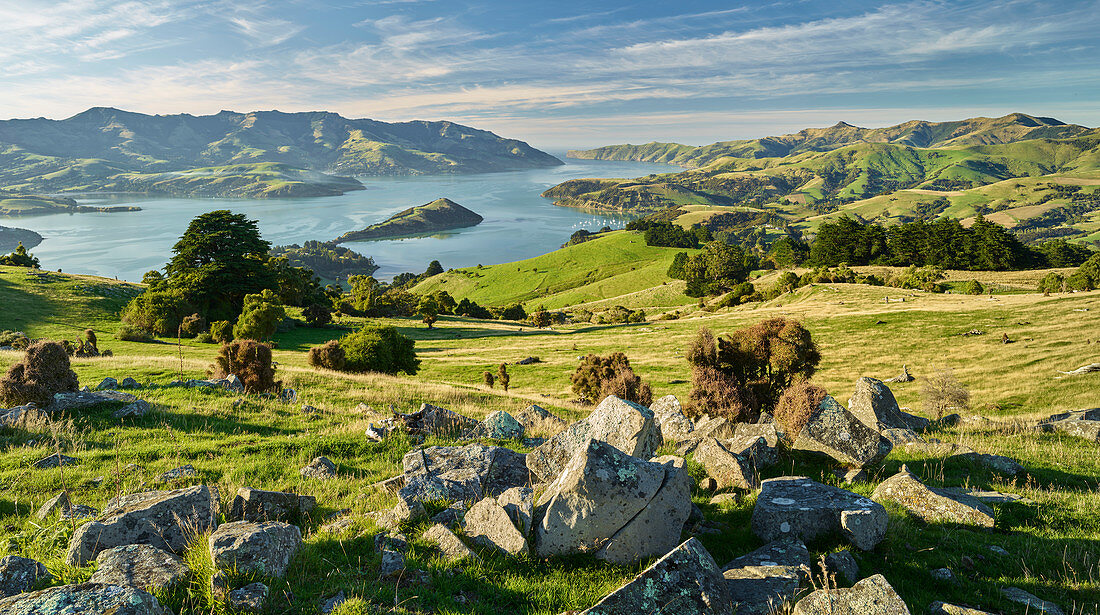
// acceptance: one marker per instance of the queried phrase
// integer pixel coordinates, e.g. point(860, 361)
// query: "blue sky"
point(559, 73)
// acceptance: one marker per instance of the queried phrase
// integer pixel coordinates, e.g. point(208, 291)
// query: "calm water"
point(518, 222)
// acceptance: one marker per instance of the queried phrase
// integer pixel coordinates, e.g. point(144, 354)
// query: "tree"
point(788, 252)
point(434, 268)
point(297, 286)
point(428, 309)
point(19, 258)
point(488, 378)
point(377, 348)
point(597, 377)
point(365, 290)
point(317, 315)
point(716, 269)
point(678, 269)
point(260, 316)
point(503, 377)
point(157, 311)
point(219, 259)
point(514, 312)
point(540, 319)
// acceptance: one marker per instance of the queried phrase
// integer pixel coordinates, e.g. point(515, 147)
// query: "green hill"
point(437, 216)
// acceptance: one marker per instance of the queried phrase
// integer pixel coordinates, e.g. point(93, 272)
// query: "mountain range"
point(257, 154)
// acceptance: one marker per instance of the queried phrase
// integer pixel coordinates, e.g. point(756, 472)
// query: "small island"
point(12, 205)
point(439, 215)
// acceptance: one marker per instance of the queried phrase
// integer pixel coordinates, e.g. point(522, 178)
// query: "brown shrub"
point(769, 357)
point(328, 356)
point(796, 406)
point(43, 371)
point(502, 376)
point(942, 392)
point(192, 325)
point(489, 379)
point(718, 393)
point(597, 377)
point(250, 361)
point(703, 349)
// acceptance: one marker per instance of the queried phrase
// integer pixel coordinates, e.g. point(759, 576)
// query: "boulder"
point(488, 525)
point(797, 507)
point(107, 383)
point(66, 402)
point(519, 503)
point(320, 468)
point(842, 565)
point(329, 605)
point(789, 554)
point(944, 608)
point(84, 598)
point(20, 574)
point(452, 547)
point(874, 404)
point(58, 504)
point(871, 595)
point(901, 436)
point(129, 383)
point(756, 449)
point(250, 598)
point(142, 566)
point(536, 419)
point(933, 505)
point(622, 507)
point(258, 505)
point(728, 469)
point(463, 472)
point(1089, 430)
point(163, 519)
point(685, 580)
point(834, 431)
point(1033, 603)
point(431, 419)
point(499, 425)
point(670, 419)
point(762, 581)
point(624, 425)
point(719, 428)
point(264, 548)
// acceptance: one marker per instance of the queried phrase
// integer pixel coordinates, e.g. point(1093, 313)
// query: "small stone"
point(259, 505)
point(488, 525)
point(1032, 602)
point(943, 574)
point(708, 484)
point(499, 425)
point(725, 499)
point(842, 565)
point(58, 504)
point(107, 383)
point(330, 604)
point(943, 608)
point(393, 564)
point(187, 471)
point(250, 598)
point(135, 409)
point(998, 550)
point(55, 460)
point(320, 468)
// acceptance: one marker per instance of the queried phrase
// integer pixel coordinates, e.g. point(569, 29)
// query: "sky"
point(562, 73)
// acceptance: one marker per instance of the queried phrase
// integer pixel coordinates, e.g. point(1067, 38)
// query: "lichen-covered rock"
point(249, 598)
point(719, 428)
point(452, 547)
point(136, 408)
point(164, 519)
point(67, 402)
point(728, 469)
point(871, 595)
point(762, 581)
point(684, 581)
point(488, 525)
point(84, 598)
point(842, 565)
point(320, 468)
point(499, 425)
point(107, 383)
point(834, 431)
point(259, 505)
point(55, 461)
point(58, 504)
point(874, 404)
point(797, 507)
point(519, 503)
point(670, 419)
point(462, 472)
point(598, 505)
point(392, 565)
point(624, 425)
point(1089, 430)
point(789, 554)
point(142, 566)
point(944, 608)
point(536, 419)
point(901, 436)
point(1033, 603)
point(263, 548)
point(19, 574)
point(930, 504)
point(755, 449)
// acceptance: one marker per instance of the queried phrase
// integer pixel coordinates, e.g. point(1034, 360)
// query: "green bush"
point(260, 317)
point(974, 287)
point(317, 315)
point(250, 361)
point(130, 333)
point(19, 258)
point(1052, 282)
point(157, 311)
point(513, 312)
point(192, 325)
point(11, 338)
point(43, 371)
point(204, 338)
point(597, 377)
point(327, 356)
point(377, 348)
point(221, 331)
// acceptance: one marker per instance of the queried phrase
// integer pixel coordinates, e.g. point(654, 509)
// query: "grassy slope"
point(1052, 542)
point(611, 266)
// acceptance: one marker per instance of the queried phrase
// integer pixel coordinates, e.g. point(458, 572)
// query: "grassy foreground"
point(1052, 538)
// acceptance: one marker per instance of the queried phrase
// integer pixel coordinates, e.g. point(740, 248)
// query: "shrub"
point(1052, 282)
point(974, 287)
point(717, 393)
point(86, 347)
point(204, 338)
point(157, 311)
point(597, 377)
point(923, 278)
point(703, 350)
point(20, 258)
point(192, 325)
point(540, 319)
point(503, 377)
point(941, 392)
point(328, 356)
point(221, 331)
point(317, 315)
point(488, 378)
point(260, 317)
point(11, 338)
point(471, 309)
point(513, 312)
point(43, 372)
point(130, 333)
point(795, 407)
point(376, 348)
point(250, 361)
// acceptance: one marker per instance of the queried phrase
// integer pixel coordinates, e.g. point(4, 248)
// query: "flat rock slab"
point(684, 581)
point(999, 464)
point(164, 519)
point(871, 595)
point(834, 431)
point(84, 598)
point(933, 505)
point(64, 402)
point(264, 548)
point(1089, 430)
point(58, 504)
point(944, 608)
point(142, 566)
point(784, 553)
point(19, 574)
point(797, 507)
point(452, 547)
point(762, 581)
point(479, 471)
point(719, 428)
point(259, 505)
point(1033, 603)
point(624, 425)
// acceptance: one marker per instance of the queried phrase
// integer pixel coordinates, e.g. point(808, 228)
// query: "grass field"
point(1052, 540)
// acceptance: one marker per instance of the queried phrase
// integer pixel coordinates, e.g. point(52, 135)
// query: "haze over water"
point(518, 222)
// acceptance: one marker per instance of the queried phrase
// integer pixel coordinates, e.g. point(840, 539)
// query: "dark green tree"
point(19, 258)
point(434, 268)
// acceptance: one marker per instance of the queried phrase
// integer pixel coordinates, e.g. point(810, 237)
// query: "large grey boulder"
point(728, 469)
point(142, 566)
point(684, 581)
point(540, 421)
point(452, 546)
point(600, 501)
point(163, 519)
point(499, 425)
point(670, 419)
point(489, 525)
point(871, 595)
point(797, 507)
point(758, 443)
point(624, 425)
point(834, 431)
point(263, 548)
point(19, 574)
point(84, 598)
point(460, 473)
point(933, 505)
point(874, 404)
point(762, 581)
point(259, 505)
point(719, 428)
